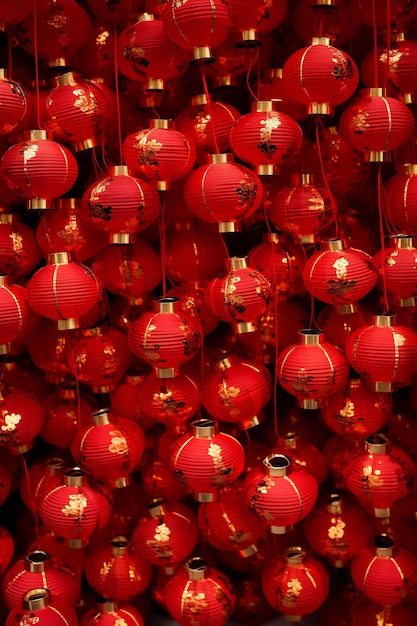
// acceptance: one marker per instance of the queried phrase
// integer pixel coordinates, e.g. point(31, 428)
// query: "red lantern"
point(280, 492)
point(159, 482)
point(165, 338)
point(205, 460)
point(384, 572)
point(253, 19)
point(167, 535)
point(339, 322)
point(63, 290)
point(295, 584)
point(42, 478)
point(75, 510)
point(400, 11)
point(6, 549)
point(312, 369)
point(396, 266)
point(381, 475)
point(14, 313)
point(302, 453)
point(37, 607)
point(338, 530)
point(125, 575)
point(400, 203)
point(265, 138)
point(311, 15)
point(121, 204)
point(192, 300)
point(376, 124)
point(19, 254)
point(15, 105)
point(21, 420)
point(96, 57)
point(50, 350)
point(367, 613)
point(384, 352)
point(320, 76)
point(39, 170)
point(237, 391)
point(200, 594)
point(356, 410)
point(112, 613)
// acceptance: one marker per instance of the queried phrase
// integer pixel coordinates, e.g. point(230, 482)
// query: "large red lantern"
point(206, 460)
point(41, 478)
point(112, 613)
point(38, 607)
point(253, 19)
point(39, 170)
point(14, 313)
point(332, 18)
point(397, 269)
point(400, 205)
point(21, 420)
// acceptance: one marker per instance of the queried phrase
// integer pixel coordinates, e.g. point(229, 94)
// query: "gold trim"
point(121, 239)
point(40, 204)
point(230, 227)
point(320, 108)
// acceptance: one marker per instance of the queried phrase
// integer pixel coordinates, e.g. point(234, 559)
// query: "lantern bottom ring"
point(245, 327)
point(320, 108)
point(22, 448)
point(5, 348)
point(230, 227)
point(309, 404)
point(249, 551)
point(40, 204)
point(76, 543)
point(267, 169)
point(165, 372)
point(250, 422)
point(120, 483)
point(70, 323)
point(280, 530)
point(407, 302)
point(203, 55)
point(205, 497)
point(339, 563)
point(382, 513)
point(85, 144)
point(119, 239)
point(292, 618)
point(408, 98)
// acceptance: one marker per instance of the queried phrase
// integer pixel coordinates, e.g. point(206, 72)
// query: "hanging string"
point(248, 73)
point(375, 50)
point(388, 43)
point(35, 44)
point(324, 176)
point(210, 108)
point(382, 237)
point(116, 86)
point(33, 507)
point(162, 238)
point(77, 382)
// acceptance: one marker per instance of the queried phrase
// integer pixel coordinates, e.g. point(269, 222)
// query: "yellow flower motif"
point(341, 265)
point(10, 422)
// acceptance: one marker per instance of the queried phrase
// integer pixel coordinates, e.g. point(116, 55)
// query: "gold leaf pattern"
point(75, 507)
point(340, 265)
point(11, 420)
point(118, 443)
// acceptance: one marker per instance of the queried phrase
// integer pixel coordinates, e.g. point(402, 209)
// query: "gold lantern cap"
point(37, 562)
point(36, 599)
point(384, 546)
point(196, 567)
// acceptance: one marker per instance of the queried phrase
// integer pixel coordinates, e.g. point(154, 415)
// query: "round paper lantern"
point(12, 13)
point(381, 475)
point(112, 613)
point(121, 204)
point(42, 477)
point(385, 572)
point(320, 76)
point(376, 123)
point(400, 205)
point(63, 290)
point(123, 399)
point(338, 25)
point(253, 19)
point(37, 607)
point(13, 313)
point(15, 104)
point(50, 350)
point(110, 449)
point(167, 535)
point(312, 369)
point(396, 266)
point(239, 295)
point(302, 453)
point(199, 593)
point(36, 569)
point(400, 11)
point(19, 254)
point(339, 274)
point(125, 574)
point(158, 482)
point(266, 138)
point(75, 510)
point(356, 410)
point(280, 492)
point(223, 192)
point(368, 613)
point(237, 391)
point(220, 460)
point(192, 300)
point(39, 170)
point(338, 322)
point(295, 584)
point(159, 153)
point(21, 420)
point(383, 352)
point(338, 530)
point(165, 338)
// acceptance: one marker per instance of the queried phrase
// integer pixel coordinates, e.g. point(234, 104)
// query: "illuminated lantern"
point(384, 572)
point(266, 138)
point(63, 290)
point(167, 535)
point(39, 170)
point(383, 352)
point(280, 492)
point(320, 76)
point(237, 391)
point(339, 322)
point(381, 475)
point(101, 357)
point(376, 124)
point(36, 569)
point(165, 338)
point(159, 153)
point(15, 104)
point(228, 524)
point(121, 204)
point(198, 26)
point(125, 575)
point(239, 295)
point(50, 350)
point(112, 613)
point(295, 584)
point(42, 477)
point(192, 300)
point(302, 453)
point(199, 592)
point(21, 420)
point(253, 19)
point(338, 530)
point(400, 205)
point(356, 410)
point(397, 269)
point(223, 192)
point(206, 460)
point(339, 274)
point(38, 605)
point(139, 50)
point(14, 313)
point(75, 510)
point(312, 369)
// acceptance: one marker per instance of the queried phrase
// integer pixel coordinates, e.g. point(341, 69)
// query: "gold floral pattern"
point(340, 265)
point(159, 542)
point(118, 443)
point(359, 122)
point(200, 124)
point(269, 124)
point(371, 479)
point(337, 531)
point(76, 506)
point(11, 420)
point(399, 339)
point(29, 151)
point(148, 149)
point(85, 101)
point(290, 595)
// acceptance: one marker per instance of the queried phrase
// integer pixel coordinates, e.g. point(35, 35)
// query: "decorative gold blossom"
point(340, 265)
point(118, 443)
point(86, 101)
point(11, 420)
point(75, 507)
point(336, 532)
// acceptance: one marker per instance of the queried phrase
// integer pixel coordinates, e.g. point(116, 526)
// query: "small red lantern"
point(265, 138)
point(19, 254)
point(339, 322)
point(112, 613)
point(21, 420)
point(75, 510)
point(272, 87)
point(397, 269)
point(312, 369)
point(192, 300)
point(231, 63)
point(320, 76)
point(253, 19)
point(206, 460)
point(302, 453)
point(42, 478)
point(338, 530)
point(384, 572)
point(15, 104)
point(96, 57)
point(14, 313)
point(167, 535)
point(37, 607)
point(165, 338)
point(39, 170)
point(381, 475)
point(295, 584)
point(280, 492)
point(384, 352)
point(125, 575)
point(63, 290)
point(50, 351)
point(400, 203)
point(199, 594)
